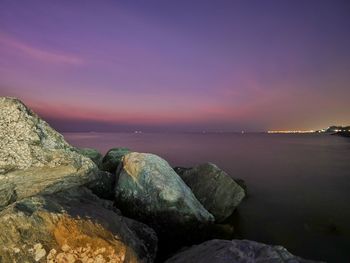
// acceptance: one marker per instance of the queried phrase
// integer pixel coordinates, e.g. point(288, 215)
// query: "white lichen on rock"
point(34, 158)
point(85, 254)
point(25, 139)
point(39, 252)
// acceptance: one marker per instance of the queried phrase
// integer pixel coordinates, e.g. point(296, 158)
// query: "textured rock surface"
point(93, 154)
point(149, 189)
point(112, 159)
point(34, 158)
point(72, 226)
point(215, 189)
point(237, 251)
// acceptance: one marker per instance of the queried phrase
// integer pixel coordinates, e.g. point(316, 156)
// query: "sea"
point(298, 184)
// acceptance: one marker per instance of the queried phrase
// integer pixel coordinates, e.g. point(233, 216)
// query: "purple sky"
point(178, 65)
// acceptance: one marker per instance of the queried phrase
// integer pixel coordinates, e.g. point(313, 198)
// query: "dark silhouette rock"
point(112, 159)
point(104, 186)
point(237, 251)
point(343, 133)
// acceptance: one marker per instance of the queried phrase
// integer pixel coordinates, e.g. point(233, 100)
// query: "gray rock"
point(113, 158)
point(237, 251)
point(93, 154)
point(34, 158)
point(149, 190)
point(215, 189)
point(72, 226)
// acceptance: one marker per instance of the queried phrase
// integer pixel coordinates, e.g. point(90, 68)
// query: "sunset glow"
point(200, 65)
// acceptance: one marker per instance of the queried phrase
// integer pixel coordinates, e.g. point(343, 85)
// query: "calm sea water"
point(299, 185)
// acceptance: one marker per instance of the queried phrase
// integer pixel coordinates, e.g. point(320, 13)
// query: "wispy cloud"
point(49, 56)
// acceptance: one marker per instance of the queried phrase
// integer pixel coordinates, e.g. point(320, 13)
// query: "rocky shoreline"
point(63, 204)
point(343, 134)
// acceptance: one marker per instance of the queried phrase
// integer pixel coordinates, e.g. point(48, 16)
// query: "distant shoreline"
point(343, 134)
point(182, 132)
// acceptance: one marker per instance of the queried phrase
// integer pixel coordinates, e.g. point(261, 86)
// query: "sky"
point(178, 65)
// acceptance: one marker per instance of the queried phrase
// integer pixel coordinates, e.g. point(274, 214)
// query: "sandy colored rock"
point(72, 226)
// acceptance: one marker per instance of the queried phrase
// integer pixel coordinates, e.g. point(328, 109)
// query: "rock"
point(215, 189)
point(180, 170)
point(93, 154)
point(104, 185)
point(34, 158)
point(72, 226)
point(112, 159)
point(149, 190)
point(237, 251)
point(242, 184)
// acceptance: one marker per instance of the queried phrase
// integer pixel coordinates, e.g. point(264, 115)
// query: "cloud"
point(45, 55)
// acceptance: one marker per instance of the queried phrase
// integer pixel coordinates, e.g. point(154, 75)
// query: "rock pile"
point(63, 204)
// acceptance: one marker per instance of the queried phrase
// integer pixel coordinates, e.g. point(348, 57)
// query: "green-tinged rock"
point(237, 251)
point(214, 188)
point(93, 154)
point(72, 226)
point(113, 158)
point(34, 158)
point(149, 190)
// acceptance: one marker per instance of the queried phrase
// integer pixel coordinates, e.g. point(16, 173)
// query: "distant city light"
point(309, 131)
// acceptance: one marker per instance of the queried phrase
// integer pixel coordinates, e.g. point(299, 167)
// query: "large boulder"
point(237, 251)
point(149, 190)
point(214, 188)
point(72, 226)
point(113, 158)
point(34, 158)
